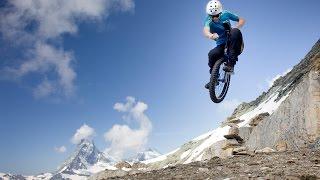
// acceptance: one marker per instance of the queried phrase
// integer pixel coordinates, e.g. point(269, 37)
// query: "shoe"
point(207, 86)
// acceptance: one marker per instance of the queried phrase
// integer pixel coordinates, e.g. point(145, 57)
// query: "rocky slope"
point(304, 164)
point(286, 118)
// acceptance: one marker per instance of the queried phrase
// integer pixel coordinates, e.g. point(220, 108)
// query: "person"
point(214, 30)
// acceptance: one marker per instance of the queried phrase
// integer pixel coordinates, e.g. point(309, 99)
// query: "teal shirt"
point(217, 27)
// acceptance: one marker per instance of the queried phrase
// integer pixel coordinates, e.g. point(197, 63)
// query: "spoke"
point(220, 81)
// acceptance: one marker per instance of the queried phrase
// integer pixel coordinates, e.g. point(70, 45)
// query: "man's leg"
point(235, 45)
point(213, 56)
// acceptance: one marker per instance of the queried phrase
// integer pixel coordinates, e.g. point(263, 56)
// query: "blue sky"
point(151, 50)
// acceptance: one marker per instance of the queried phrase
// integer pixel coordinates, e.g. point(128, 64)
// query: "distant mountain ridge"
point(85, 161)
point(145, 155)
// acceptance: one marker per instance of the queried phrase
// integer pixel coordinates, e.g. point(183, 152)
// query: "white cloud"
point(125, 107)
point(227, 106)
point(270, 82)
point(84, 132)
point(125, 139)
point(37, 28)
point(61, 149)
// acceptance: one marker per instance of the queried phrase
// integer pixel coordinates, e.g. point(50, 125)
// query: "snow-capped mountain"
point(85, 161)
point(292, 121)
point(145, 155)
point(7, 176)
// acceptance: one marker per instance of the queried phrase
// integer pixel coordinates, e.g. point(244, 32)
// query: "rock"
point(138, 165)
point(235, 137)
point(205, 170)
point(109, 174)
point(239, 149)
point(133, 172)
point(219, 168)
point(234, 120)
point(265, 169)
point(316, 144)
point(232, 125)
point(123, 164)
point(230, 143)
point(281, 146)
point(291, 161)
point(227, 153)
point(265, 150)
point(243, 153)
point(244, 132)
point(234, 131)
point(257, 119)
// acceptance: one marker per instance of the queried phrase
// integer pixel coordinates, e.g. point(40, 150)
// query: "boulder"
point(123, 164)
point(281, 146)
point(239, 149)
point(230, 143)
point(227, 153)
point(257, 119)
point(265, 150)
point(234, 131)
point(234, 134)
point(234, 120)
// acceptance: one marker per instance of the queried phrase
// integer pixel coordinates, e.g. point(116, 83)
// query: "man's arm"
point(236, 18)
point(241, 22)
point(208, 34)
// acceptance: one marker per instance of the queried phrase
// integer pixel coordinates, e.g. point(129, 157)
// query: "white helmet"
point(214, 7)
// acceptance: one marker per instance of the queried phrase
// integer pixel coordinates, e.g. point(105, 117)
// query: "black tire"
point(217, 98)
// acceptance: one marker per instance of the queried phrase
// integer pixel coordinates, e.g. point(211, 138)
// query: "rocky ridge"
point(294, 165)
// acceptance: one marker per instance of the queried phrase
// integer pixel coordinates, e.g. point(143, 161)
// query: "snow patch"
point(215, 136)
point(160, 158)
point(203, 136)
point(269, 106)
point(74, 177)
point(185, 154)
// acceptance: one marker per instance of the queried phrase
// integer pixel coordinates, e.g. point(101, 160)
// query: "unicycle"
point(220, 79)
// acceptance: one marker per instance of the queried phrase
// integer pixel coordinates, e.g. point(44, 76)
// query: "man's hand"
point(240, 23)
point(214, 36)
point(208, 34)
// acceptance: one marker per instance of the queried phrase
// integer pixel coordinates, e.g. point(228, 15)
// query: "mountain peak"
point(85, 156)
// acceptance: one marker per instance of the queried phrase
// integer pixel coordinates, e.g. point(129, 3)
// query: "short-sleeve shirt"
point(217, 27)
